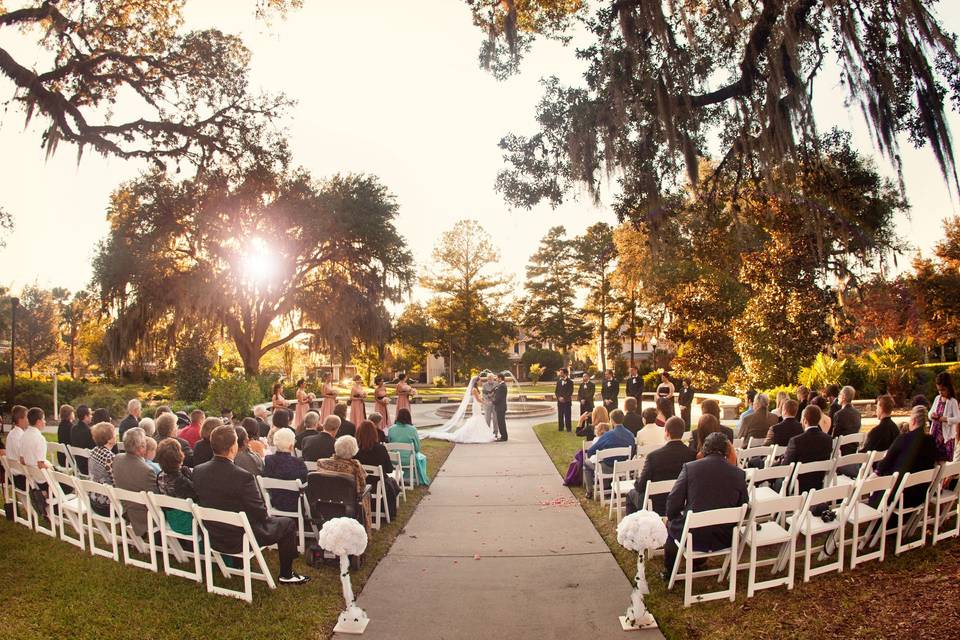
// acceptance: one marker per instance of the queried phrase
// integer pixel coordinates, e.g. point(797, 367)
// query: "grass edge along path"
point(57, 591)
point(914, 595)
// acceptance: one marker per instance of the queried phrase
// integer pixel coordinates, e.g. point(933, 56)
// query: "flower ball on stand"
point(640, 532)
point(345, 537)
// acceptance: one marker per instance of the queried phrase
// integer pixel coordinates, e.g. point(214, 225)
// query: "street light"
point(653, 343)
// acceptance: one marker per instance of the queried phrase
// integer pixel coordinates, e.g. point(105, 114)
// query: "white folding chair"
point(819, 466)
point(55, 451)
point(311, 465)
point(600, 492)
point(754, 442)
point(738, 443)
point(129, 537)
point(70, 506)
point(409, 469)
point(625, 472)
point(266, 484)
point(35, 480)
point(763, 529)
point(852, 438)
point(760, 492)
point(397, 461)
point(21, 497)
point(79, 452)
point(910, 518)
point(744, 456)
point(171, 540)
point(379, 496)
point(945, 502)
point(685, 438)
point(647, 449)
point(865, 517)
point(859, 460)
point(106, 526)
point(810, 526)
point(8, 494)
point(656, 488)
point(249, 550)
point(732, 516)
point(586, 444)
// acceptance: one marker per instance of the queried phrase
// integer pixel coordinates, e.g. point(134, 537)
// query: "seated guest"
point(33, 446)
point(131, 472)
point(373, 454)
point(220, 484)
point(751, 396)
point(758, 423)
point(823, 404)
point(910, 452)
point(80, 436)
point(810, 446)
point(101, 463)
point(632, 419)
point(787, 428)
point(782, 397)
point(282, 465)
point(202, 451)
point(830, 393)
point(152, 454)
point(149, 427)
point(378, 424)
point(245, 458)
point(664, 411)
point(587, 420)
point(574, 476)
point(260, 415)
point(846, 420)
point(882, 436)
point(321, 445)
point(167, 429)
point(403, 432)
point(650, 433)
point(63, 430)
point(176, 481)
point(347, 428)
point(280, 420)
point(253, 437)
point(703, 485)
point(345, 448)
point(101, 415)
point(310, 423)
point(663, 464)
point(803, 398)
point(191, 432)
point(11, 447)
point(707, 425)
point(133, 417)
point(619, 436)
point(711, 407)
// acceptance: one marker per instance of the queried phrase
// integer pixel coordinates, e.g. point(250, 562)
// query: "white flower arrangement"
point(343, 537)
point(640, 532)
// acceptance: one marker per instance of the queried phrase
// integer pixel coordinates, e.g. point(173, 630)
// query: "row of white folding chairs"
point(865, 505)
point(72, 507)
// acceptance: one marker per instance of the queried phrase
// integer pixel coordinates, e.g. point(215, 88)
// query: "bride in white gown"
point(472, 430)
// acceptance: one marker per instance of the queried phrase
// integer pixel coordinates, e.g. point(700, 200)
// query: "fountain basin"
point(514, 409)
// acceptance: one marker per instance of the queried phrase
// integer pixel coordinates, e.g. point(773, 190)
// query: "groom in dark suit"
point(564, 394)
point(500, 406)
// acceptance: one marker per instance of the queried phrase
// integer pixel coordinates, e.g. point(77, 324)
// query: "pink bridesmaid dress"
point(382, 405)
point(303, 405)
point(403, 396)
point(329, 401)
point(358, 412)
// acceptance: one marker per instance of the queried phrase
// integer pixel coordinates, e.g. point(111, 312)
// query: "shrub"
point(192, 369)
point(857, 375)
point(822, 371)
point(892, 362)
point(535, 372)
point(107, 398)
point(550, 360)
point(651, 381)
point(439, 381)
point(238, 393)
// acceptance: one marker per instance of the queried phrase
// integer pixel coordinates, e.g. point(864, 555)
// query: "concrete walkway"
point(543, 571)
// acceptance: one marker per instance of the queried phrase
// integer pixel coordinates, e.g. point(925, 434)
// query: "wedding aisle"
point(500, 549)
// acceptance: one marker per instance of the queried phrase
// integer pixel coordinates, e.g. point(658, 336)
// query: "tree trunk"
point(603, 328)
point(633, 328)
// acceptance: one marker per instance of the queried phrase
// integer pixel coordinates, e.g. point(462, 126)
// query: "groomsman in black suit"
point(564, 394)
point(610, 392)
point(635, 388)
point(586, 394)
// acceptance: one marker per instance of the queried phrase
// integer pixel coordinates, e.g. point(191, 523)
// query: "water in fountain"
point(519, 407)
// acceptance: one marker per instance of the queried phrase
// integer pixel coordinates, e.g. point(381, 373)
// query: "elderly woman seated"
point(344, 450)
point(282, 465)
point(175, 480)
point(101, 463)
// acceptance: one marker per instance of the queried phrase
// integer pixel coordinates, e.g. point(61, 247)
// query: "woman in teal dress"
point(404, 432)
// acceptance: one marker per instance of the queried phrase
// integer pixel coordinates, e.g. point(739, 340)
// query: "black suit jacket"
point(845, 422)
point(634, 386)
point(318, 447)
point(705, 484)
point(696, 442)
point(220, 484)
point(810, 446)
point(781, 432)
point(347, 428)
point(911, 452)
point(881, 436)
point(80, 437)
point(633, 421)
point(663, 464)
point(586, 393)
point(564, 390)
point(303, 435)
point(127, 423)
point(610, 391)
point(500, 395)
point(685, 397)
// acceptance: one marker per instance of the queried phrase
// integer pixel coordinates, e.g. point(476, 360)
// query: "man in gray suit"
point(131, 472)
point(846, 421)
point(486, 392)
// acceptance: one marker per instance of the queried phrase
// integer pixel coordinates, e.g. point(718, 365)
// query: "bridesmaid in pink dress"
point(279, 402)
point(329, 396)
point(303, 404)
point(358, 411)
point(381, 403)
point(404, 391)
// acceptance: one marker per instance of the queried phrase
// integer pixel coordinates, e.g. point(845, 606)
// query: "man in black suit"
point(685, 400)
point(709, 483)
point(500, 406)
point(663, 464)
point(347, 428)
point(320, 445)
point(564, 393)
point(830, 392)
point(311, 423)
point(783, 431)
point(635, 386)
point(220, 484)
point(847, 420)
point(80, 435)
point(610, 392)
point(810, 446)
point(882, 436)
point(132, 421)
point(586, 394)
point(631, 419)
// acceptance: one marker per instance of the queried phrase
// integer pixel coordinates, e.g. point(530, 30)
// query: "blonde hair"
point(102, 433)
point(601, 428)
point(918, 416)
point(599, 415)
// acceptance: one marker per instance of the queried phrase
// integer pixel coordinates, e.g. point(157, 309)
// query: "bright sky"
point(384, 87)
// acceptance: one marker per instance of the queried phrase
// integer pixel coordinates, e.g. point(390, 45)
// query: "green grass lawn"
point(57, 591)
point(914, 595)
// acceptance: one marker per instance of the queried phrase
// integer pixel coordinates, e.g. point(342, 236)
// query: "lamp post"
point(653, 344)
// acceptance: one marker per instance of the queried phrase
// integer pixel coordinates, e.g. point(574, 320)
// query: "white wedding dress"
point(472, 430)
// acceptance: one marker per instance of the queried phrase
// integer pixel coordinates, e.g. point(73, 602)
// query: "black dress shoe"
point(294, 578)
